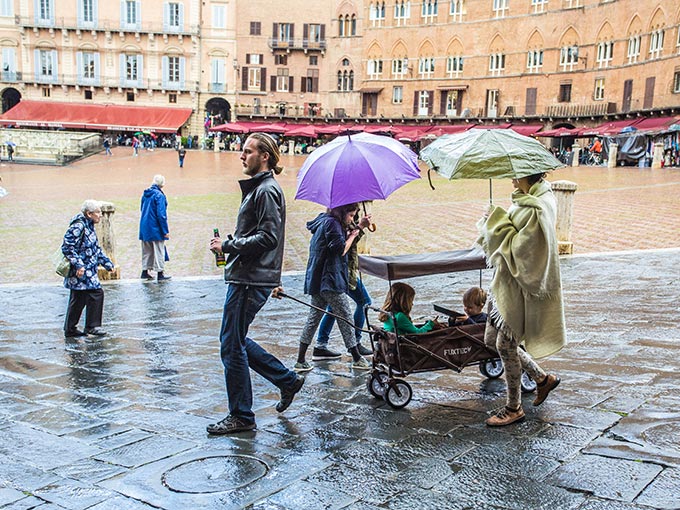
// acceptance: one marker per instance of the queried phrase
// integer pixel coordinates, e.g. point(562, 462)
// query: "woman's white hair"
point(158, 180)
point(90, 206)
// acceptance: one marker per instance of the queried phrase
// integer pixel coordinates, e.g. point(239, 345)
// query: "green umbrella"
point(488, 154)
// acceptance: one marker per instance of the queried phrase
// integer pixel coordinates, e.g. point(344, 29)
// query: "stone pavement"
point(119, 422)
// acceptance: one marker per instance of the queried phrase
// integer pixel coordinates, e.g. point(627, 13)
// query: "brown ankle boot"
point(544, 387)
point(506, 416)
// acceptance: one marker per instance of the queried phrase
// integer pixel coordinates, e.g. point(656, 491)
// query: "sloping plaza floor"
point(119, 422)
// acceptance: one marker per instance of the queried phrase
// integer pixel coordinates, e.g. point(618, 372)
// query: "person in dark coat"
point(253, 271)
point(153, 229)
point(81, 248)
point(182, 152)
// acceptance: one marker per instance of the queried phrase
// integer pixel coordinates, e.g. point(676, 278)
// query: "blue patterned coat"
point(87, 254)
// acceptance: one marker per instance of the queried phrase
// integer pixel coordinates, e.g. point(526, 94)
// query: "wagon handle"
point(337, 317)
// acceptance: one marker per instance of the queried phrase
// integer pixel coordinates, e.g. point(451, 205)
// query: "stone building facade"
point(425, 60)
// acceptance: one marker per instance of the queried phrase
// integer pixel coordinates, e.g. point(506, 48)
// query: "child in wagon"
point(399, 301)
point(474, 300)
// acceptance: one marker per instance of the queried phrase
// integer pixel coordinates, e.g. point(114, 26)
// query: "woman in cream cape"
point(526, 303)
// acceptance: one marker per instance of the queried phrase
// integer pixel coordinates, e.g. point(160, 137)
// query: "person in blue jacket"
point(153, 229)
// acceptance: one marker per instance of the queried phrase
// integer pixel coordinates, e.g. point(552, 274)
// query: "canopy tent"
point(308, 131)
point(96, 117)
point(609, 128)
point(527, 129)
point(655, 124)
point(398, 267)
point(559, 133)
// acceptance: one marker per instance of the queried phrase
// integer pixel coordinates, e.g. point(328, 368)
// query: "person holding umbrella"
point(526, 290)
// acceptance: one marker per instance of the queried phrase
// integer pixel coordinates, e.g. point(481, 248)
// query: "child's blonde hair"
point(474, 296)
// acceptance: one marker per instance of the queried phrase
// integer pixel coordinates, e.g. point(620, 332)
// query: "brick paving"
point(618, 209)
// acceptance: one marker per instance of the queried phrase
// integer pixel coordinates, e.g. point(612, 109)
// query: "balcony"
point(106, 25)
point(296, 44)
point(580, 110)
point(12, 76)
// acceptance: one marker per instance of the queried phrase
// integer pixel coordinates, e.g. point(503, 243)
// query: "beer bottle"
point(220, 259)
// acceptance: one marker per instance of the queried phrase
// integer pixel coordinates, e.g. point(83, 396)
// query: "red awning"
point(308, 130)
point(338, 129)
point(494, 126)
point(559, 132)
point(655, 124)
point(609, 128)
point(527, 129)
point(95, 116)
point(411, 133)
point(448, 129)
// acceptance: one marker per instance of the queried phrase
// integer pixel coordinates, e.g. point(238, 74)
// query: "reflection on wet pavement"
point(119, 422)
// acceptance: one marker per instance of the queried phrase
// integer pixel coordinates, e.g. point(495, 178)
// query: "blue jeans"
point(360, 297)
point(239, 353)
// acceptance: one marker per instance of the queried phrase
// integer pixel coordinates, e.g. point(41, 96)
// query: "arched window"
point(353, 28)
point(341, 26)
point(340, 80)
point(351, 81)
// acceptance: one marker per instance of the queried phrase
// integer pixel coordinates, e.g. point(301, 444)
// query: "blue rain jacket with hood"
point(153, 224)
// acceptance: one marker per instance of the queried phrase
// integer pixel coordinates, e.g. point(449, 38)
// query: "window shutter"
point(181, 17)
point(95, 13)
point(430, 102)
point(263, 79)
point(442, 102)
point(323, 32)
point(315, 84)
point(649, 92)
point(290, 84)
point(272, 83)
point(292, 31)
point(97, 72)
point(415, 103)
point(164, 71)
point(79, 14)
point(166, 16)
point(79, 67)
point(303, 84)
point(36, 63)
point(261, 59)
point(182, 67)
point(140, 70)
point(138, 12)
point(305, 31)
point(244, 78)
point(275, 31)
point(123, 71)
point(530, 102)
point(52, 18)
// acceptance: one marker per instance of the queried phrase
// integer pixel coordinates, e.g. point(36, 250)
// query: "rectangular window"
point(534, 61)
point(280, 60)
point(255, 28)
point(88, 95)
point(88, 66)
point(9, 66)
point(46, 65)
point(565, 93)
point(131, 68)
point(282, 80)
point(87, 9)
point(568, 58)
point(218, 68)
point(397, 95)
point(374, 69)
point(456, 10)
point(376, 13)
point(174, 17)
point(131, 15)
point(172, 98)
point(426, 67)
point(254, 78)
point(313, 60)
point(428, 10)
point(254, 59)
point(497, 64)
point(130, 96)
point(634, 44)
point(423, 102)
point(402, 12)
point(219, 16)
point(6, 7)
point(598, 92)
point(500, 8)
point(656, 44)
point(285, 32)
point(399, 67)
point(46, 92)
point(539, 5)
point(572, 4)
point(174, 70)
point(45, 12)
point(605, 54)
point(314, 34)
point(454, 66)
point(676, 82)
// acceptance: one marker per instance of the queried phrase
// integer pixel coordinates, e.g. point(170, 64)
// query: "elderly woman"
point(81, 248)
point(526, 303)
point(154, 230)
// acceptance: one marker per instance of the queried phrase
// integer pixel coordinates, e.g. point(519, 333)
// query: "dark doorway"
point(369, 104)
point(627, 95)
point(649, 93)
point(10, 98)
point(218, 110)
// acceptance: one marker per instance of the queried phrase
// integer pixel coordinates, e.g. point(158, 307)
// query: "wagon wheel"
point(528, 384)
point(377, 383)
point(492, 368)
point(398, 394)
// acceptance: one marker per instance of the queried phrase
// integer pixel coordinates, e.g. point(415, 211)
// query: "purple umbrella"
point(356, 168)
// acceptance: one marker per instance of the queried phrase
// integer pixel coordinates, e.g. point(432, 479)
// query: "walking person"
point(10, 152)
point(107, 146)
point(253, 271)
point(81, 248)
point(182, 152)
point(326, 280)
point(356, 291)
point(153, 229)
point(526, 290)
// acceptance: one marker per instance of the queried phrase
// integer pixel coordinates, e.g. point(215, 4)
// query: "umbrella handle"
point(372, 227)
point(429, 178)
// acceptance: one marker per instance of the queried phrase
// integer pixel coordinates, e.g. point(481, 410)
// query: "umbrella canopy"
point(488, 154)
point(356, 168)
point(10, 142)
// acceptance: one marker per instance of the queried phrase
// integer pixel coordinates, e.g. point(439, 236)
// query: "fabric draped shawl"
point(521, 245)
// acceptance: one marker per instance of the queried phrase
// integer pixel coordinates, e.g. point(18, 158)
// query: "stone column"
point(576, 154)
point(564, 194)
point(613, 152)
point(657, 157)
point(107, 241)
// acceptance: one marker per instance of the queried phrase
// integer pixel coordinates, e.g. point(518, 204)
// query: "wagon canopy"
point(399, 267)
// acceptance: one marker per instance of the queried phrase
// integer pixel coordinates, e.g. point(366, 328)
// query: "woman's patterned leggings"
point(515, 359)
point(339, 303)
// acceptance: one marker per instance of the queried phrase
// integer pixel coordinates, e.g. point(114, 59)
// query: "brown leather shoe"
point(546, 386)
point(506, 416)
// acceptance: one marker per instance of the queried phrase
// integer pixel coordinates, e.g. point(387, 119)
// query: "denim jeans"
point(239, 353)
point(360, 297)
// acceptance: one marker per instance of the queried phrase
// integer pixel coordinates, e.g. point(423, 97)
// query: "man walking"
point(253, 270)
point(182, 152)
point(153, 229)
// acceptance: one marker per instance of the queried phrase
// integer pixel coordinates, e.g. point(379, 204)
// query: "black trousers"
point(78, 299)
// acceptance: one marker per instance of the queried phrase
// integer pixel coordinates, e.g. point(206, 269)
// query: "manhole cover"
point(214, 474)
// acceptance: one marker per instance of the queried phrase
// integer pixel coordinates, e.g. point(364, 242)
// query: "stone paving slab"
point(119, 422)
